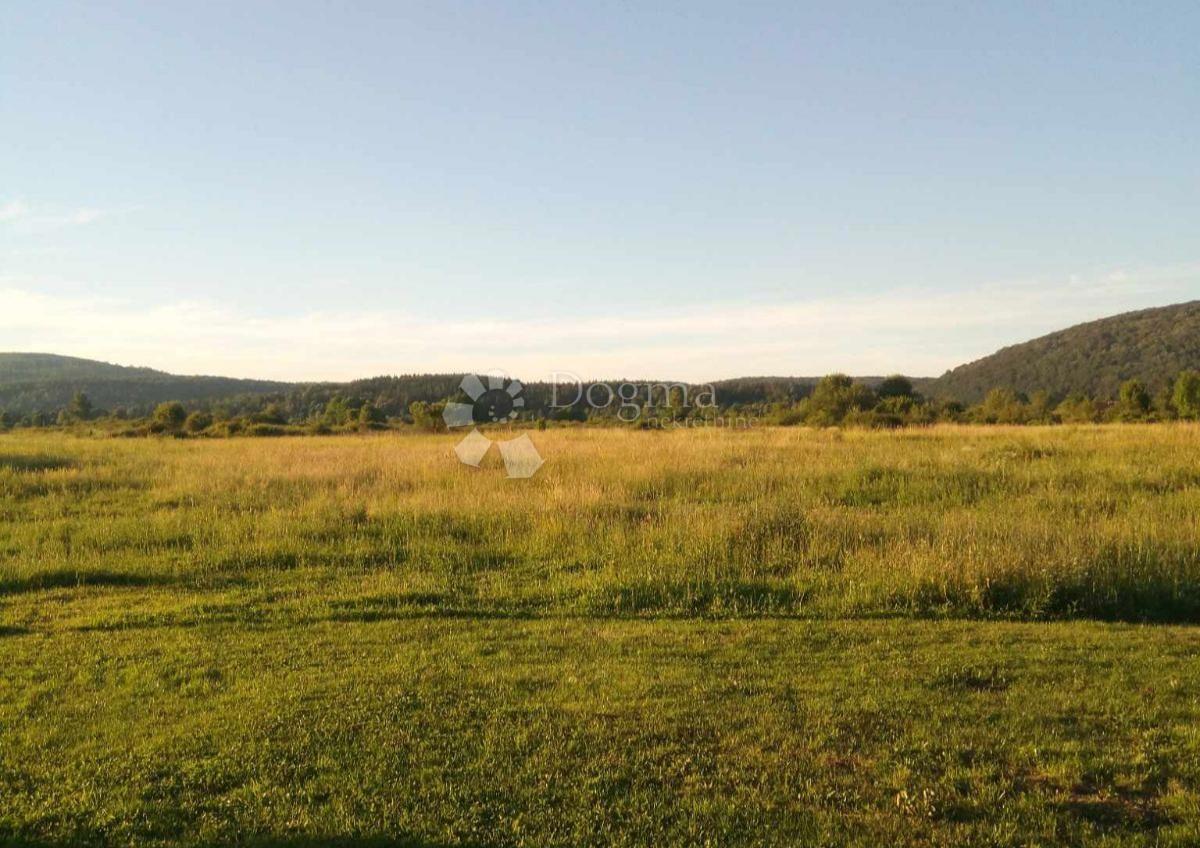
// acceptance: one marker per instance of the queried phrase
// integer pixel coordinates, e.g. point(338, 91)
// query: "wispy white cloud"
point(18, 216)
point(918, 331)
point(13, 210)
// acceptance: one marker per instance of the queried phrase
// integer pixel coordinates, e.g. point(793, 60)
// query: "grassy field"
point(953, 636)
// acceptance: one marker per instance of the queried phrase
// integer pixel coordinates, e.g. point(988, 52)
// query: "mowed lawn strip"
point(498, 731)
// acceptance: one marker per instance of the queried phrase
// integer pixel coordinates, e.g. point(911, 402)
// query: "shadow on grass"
point(698, 598)
point(417, 613)
point(1145, 600)
point(75, 579)
point(259, 619)
point(34, 462)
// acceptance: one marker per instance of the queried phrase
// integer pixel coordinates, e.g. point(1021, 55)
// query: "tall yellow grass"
point(1022, 522)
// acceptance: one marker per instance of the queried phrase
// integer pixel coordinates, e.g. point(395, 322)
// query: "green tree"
point(170, 415)
point(1164, 403)
point(833, 398)
point(1077, 409)
point(1186, 397)
point(1039, 410)
point(369, 414)
point(337, 412)
point(1133, 401)
point(1001, 406)
point(895, 386)
point(893, 411)
point(81, 407)
point(422, 415)
point(272, 413)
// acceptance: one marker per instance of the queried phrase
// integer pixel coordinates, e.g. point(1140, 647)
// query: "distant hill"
point(35, 367)
point(45, 382)
point(1152, 345)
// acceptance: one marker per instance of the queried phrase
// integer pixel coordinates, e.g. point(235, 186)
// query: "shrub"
point(370, 416)
point(1039, 409)
point(197, 421)
point(170, 415)
point(1077, 409)
point(259, 429)
point(232, 427)
point(1186, 396)
point(336, 413)
point(1134, 401)
point(1001, 406)
point(427, 416)
point(834, 397)
point(272, 413)
point(81, 408)
point(895, 386)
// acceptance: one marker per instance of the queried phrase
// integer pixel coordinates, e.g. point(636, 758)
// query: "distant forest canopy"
point(1136, 366)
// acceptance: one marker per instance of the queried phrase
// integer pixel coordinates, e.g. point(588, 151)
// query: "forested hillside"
point(1151, 345)
point(43, 382)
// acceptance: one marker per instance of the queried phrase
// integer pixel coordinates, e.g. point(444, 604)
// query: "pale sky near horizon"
point(689, 190)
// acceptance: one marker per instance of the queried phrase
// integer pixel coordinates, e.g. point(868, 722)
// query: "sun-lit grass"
point(959, 635)
point(1099, 522)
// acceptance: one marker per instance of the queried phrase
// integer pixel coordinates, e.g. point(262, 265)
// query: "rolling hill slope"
point(1152, 345)
point(44, 382)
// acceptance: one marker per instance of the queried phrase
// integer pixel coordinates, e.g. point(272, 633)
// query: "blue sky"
point(690, 190)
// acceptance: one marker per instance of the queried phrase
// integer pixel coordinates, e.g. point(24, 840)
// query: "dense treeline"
point(839, 400)
point(835, 400)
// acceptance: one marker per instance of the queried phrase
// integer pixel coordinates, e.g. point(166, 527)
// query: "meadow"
point(953, 635)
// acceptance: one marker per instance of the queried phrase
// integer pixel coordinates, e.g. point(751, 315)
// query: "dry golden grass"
point(1023, 522)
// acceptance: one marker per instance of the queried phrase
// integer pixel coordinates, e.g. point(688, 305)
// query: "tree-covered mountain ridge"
point(45, 382)
point(1093, 359)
